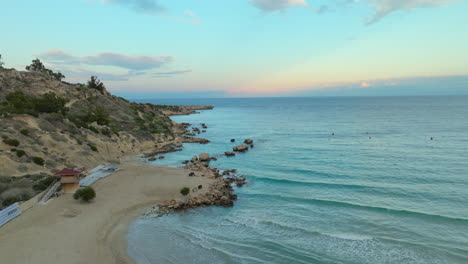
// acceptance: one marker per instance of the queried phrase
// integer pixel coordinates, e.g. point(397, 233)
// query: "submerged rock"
point(229, 153)
point(248, 141)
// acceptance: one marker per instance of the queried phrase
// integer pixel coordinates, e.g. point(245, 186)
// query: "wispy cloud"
point(130, 62)
point(151, 7)
point(170, 73)
point(385, 7)
point(277, 5)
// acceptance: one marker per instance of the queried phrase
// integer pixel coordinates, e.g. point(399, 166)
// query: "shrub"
point(44, 183)
point(92, 147)
point(93, 129)
point(9, 201)
point(20, 153)
point(1, 62)
point(185, 191)
point(37, 66)
point(85, 194)
point(24, 131)
point(39, 161)
point(95, 83)
point(11, 142)
point(20, 103)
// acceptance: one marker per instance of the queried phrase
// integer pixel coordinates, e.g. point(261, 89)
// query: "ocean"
point(330, 180)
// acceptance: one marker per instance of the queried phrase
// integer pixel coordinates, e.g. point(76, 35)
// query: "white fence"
point(9, 213)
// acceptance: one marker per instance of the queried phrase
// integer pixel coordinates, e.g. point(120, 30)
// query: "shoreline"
point(65, 230)
point(68, 231)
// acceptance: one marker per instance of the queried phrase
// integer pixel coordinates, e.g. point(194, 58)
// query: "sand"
point(68, 231)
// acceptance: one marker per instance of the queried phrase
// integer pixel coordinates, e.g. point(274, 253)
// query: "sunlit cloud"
point(277, 5)
point(365, 84)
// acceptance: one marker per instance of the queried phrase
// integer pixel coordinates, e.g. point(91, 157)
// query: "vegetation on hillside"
point(20, 103)
point(37, 66)
point(16, 189)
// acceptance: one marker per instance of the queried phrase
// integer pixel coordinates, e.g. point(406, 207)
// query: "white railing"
point(49, 192)
point(9, 213)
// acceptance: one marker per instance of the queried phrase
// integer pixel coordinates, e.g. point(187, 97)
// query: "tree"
point(37, 66)
point(85, 194)
point(95, 83)
point(1, 62)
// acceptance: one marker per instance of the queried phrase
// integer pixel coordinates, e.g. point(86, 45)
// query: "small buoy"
point(432, 138)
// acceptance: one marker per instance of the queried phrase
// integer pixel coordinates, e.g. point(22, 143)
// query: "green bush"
point(9, 201)
point(95, 83)
point(44, 183)
point(185, 191)
point(39, 161)
point(20, 103)
point(24, 131)
point(11, 142)
point(93, 129)
point(85, 194)
point(37, 66)
point(92, 147)
point(20, 153)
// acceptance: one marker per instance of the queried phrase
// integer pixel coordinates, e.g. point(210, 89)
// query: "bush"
point(85, 194)
point(95, 83)
point(185, 191)
point(1, 62)
point(24, 131)
point(37, 66)
point(11, 142)
point(44, 183)
point(92, 147)
point(20, 103)
point(20, 153)
point(39, 161)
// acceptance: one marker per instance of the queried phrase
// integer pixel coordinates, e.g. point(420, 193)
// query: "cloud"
point(131, 62)
point(277, 5)
point(385, 7)
point(151, 7)
point(170, 73)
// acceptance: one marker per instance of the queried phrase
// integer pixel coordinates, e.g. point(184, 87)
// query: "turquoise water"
point(377, 191)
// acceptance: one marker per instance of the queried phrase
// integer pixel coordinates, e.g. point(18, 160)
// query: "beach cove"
point(68, 231)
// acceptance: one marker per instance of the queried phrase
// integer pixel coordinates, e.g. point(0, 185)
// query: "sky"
point(245, 48)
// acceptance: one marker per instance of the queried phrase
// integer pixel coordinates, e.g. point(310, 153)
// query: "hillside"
point(47, 124)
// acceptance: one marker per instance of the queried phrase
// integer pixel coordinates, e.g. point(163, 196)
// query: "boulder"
point(152, 158)
point(241, 148)
point(248, 141)
point(229, 153)
point(161, 157)
point(233, 140)
point(179, 145)
point(204, 156)
point(194, 159)
point(191, 174)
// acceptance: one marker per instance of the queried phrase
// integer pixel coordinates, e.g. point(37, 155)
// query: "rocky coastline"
point(221, 190)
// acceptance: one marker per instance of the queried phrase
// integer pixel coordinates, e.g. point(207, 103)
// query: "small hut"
point(70, 179)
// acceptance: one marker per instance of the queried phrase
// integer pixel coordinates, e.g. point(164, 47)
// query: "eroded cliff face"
point(83, 127)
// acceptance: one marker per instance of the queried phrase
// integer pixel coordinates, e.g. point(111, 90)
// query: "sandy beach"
point(68, 231)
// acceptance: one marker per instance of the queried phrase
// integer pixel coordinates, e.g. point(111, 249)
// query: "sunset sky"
point(241, 48)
